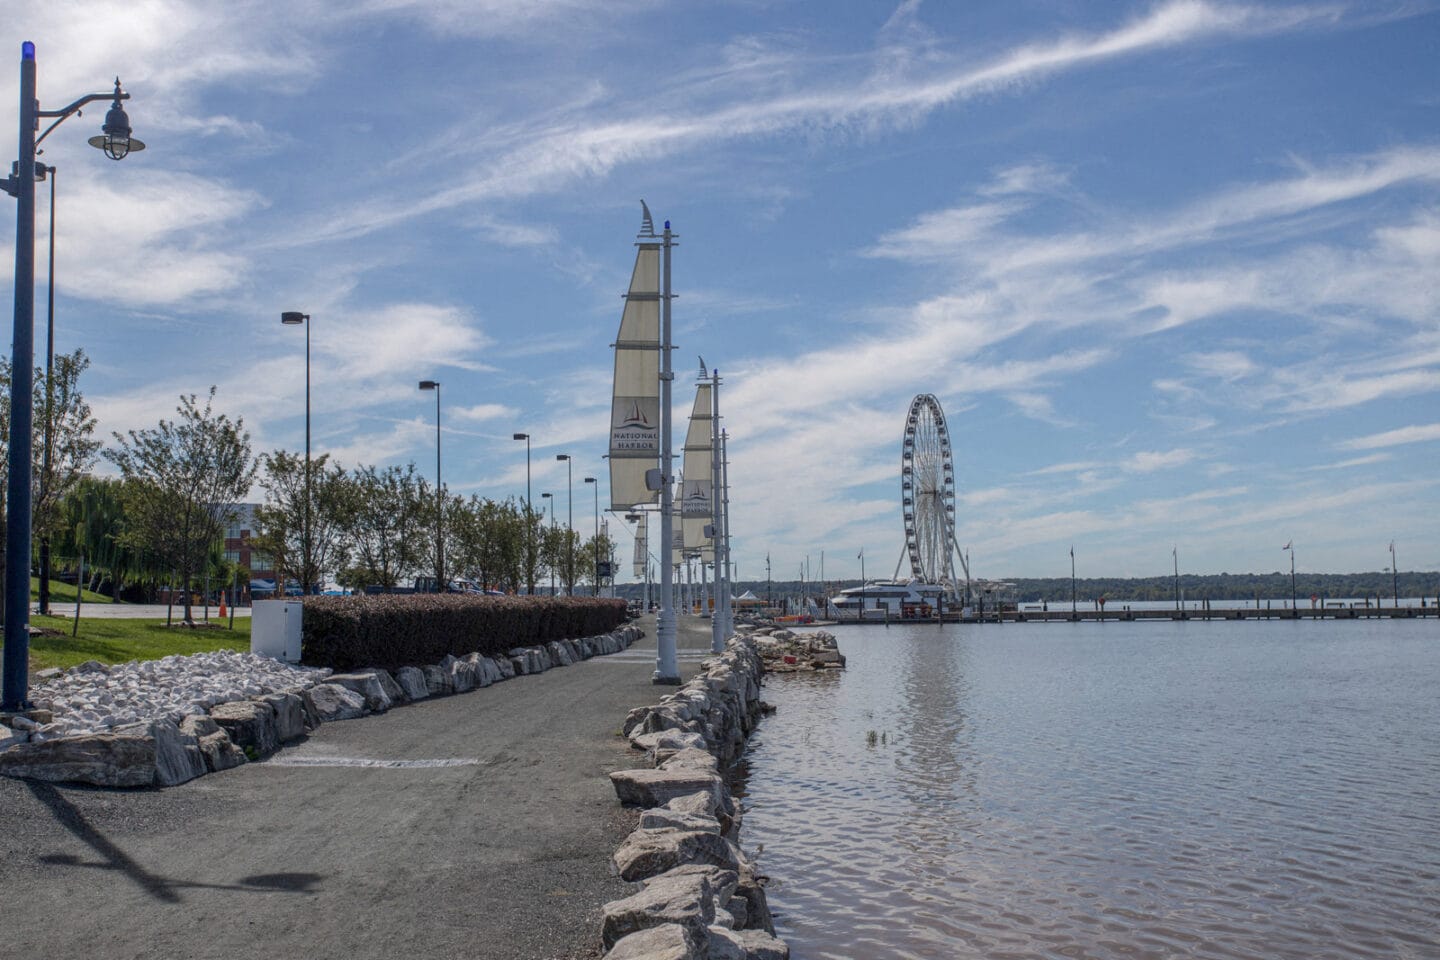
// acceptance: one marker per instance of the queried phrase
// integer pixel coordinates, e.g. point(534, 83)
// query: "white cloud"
point(484, 411)
point(1394, 438)
point(1148, 461)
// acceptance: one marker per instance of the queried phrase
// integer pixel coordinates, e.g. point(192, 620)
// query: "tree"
point(382, 524)
point(282, 519)
point(183, 478)
point(601, 547)
point(69, 436)
point(72, 451)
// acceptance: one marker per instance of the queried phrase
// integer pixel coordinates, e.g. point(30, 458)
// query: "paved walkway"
point(136, 611)
point(477, 826)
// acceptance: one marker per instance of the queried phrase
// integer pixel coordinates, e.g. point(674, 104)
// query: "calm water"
point(1265, 790)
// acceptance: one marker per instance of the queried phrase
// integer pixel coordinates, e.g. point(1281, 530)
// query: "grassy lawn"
point(65, 593)
point(116, 641)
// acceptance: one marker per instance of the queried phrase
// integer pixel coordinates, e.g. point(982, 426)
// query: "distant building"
point(238, 534)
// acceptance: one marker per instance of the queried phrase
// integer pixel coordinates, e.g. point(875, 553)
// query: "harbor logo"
point(695, 500)
point(635, 424)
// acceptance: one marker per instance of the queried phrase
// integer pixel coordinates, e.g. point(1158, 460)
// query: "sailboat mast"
point(667, 666)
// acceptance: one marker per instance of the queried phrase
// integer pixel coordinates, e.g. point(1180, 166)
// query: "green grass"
point(65, 593)
point(118, 640)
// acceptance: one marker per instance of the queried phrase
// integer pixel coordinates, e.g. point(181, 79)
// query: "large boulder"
point(668, 942)
point(646, 853)
point(330, 701)
point(250, 725)
point(392, 689)
point(367, 684)
point(412, 681)
point(101, 759)
point(654, 788)
point(289, 715)
point(177, 755)
point(684, 899)
point(214, 743)
point(463, 676)
point(437, 679)
point(745, 945)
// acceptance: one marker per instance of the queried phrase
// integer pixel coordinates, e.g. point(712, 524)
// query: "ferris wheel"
point(927, 491)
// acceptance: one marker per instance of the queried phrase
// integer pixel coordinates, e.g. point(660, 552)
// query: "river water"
point(1252, 789)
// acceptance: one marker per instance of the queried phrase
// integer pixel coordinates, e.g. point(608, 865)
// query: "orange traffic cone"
point(222, 606)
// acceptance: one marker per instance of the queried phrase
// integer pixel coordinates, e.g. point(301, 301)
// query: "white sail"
point(635, 403)
point(697, 509)
point(677, 536)
point(640, 546)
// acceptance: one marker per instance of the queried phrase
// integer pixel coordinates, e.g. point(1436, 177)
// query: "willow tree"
point(184, 477)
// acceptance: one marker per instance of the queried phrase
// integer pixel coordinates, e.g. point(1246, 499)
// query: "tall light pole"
point(1290, 549)
point(1074, 614)
point(1175, 554)
point(862, 583)
point(569, 522)
point(595, 589)
point(529, 509)
point(117, 144)
point(551, 506)
point(41, 170)
point(1394, 575)
point(439, 493)
point(294, 318)
point(667, 664)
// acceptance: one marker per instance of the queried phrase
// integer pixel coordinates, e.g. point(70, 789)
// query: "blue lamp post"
point(117, 143)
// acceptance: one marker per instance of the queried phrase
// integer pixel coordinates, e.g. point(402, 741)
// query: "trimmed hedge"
point(395, 630)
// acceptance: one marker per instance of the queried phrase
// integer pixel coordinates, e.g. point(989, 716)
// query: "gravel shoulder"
point(330, 849)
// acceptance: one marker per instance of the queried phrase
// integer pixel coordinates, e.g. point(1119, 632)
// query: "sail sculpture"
point(635, 401)
point(641, 547)
point(677, 535)
point(697, 507)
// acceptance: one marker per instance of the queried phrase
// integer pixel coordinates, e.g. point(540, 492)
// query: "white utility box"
point(275, 629)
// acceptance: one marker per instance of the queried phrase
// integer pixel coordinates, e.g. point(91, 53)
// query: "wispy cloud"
point(1394, 438)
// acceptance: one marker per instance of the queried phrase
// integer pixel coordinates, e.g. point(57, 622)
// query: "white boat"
point(893, 599)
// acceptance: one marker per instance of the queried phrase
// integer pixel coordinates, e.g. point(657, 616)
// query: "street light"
point(439, 493)
point(117, 144)
point(292, 318)
point(595, 589)
point(529, 508)
point(551, 508)
point(569, 521)
point(41, 170)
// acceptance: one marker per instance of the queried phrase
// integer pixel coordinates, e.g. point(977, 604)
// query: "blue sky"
point(1171, 268)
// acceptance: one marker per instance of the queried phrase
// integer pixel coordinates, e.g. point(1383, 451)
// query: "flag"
point(1072, 551)
point(861, 554)
point(1287, 544)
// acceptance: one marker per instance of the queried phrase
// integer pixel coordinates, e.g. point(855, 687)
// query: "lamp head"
point(115, 139)
point(522, 436)
point(429, 384)
point(562, 456)
point(293, 317)
point(547, 496)
point(589, 479)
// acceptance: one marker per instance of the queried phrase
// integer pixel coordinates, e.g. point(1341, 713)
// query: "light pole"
point(862, 583)
point(41, 170)
point(439, 493)
point(529, 521)
point(1074, 614)
point(595, 591)
point(1175, 554)
point(117, 144)
point(569, 522)
point(292, 318)
point(551, 507)
point(1394, 575)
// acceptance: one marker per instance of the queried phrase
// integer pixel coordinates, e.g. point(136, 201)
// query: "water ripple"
point(1256, 790)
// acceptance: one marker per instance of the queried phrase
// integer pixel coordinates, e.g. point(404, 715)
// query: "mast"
point(667, 667)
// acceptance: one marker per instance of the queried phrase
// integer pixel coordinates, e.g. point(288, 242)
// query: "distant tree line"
point(163, 521)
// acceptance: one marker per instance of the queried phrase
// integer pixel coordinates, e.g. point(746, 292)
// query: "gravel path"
point(353, 844)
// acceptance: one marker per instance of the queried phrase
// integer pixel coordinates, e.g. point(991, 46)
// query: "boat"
point(890, 599)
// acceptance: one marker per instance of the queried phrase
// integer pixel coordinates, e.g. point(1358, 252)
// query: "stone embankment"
point(700, 897)
point(163, 722)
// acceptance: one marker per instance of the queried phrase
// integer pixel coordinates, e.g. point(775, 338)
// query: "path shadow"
point(164, 889)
